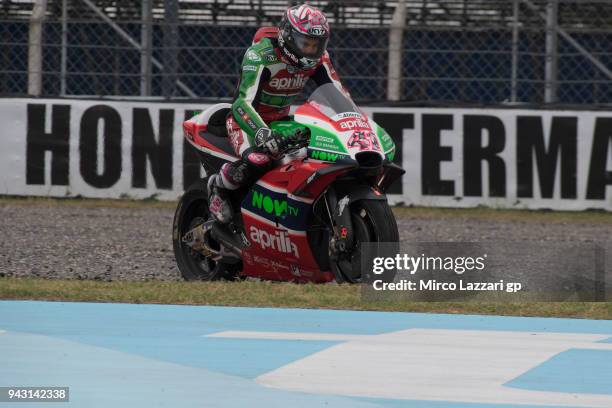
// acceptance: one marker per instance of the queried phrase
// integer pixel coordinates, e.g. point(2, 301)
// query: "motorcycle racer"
point(274, 70)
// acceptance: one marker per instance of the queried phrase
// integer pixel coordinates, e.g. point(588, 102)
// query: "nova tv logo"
point(322, 155)
point(279, 241)
point(273, 206)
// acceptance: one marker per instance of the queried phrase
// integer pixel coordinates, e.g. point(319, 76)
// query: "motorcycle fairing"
point(275, 223)
point(276, 220)
point(278, 253)
point(195, 131)
point(340, 137)
point(276, 204)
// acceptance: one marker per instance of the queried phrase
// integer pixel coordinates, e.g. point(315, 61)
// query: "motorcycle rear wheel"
point(191, 210)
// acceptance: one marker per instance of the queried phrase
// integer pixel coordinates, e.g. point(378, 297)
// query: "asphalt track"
point(118, 355)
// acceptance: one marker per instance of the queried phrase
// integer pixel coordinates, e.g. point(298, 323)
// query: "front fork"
point(339, 213)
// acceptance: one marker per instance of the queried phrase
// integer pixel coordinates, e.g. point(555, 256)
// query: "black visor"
point(309, 46)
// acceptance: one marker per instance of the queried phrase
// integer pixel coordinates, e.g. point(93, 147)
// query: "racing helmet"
point(303, 35)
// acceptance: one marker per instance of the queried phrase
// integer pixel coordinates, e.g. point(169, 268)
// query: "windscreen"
point(331, 102)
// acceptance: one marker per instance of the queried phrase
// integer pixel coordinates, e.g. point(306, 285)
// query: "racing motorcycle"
point(305, 219)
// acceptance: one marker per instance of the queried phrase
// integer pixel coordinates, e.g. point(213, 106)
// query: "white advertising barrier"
point(104, 149)
point(506, 158)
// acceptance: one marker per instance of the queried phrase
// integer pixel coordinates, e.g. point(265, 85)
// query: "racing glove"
point(276, 143)
point(271, 142)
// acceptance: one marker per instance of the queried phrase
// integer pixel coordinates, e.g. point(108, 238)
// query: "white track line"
point(430, 364)
point(289, 336)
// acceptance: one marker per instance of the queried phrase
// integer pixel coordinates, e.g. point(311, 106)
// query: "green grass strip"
point(274, 294)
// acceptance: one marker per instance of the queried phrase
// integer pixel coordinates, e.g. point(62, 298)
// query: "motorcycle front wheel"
point(373, 222)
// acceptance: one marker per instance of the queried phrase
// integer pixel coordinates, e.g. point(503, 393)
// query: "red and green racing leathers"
point(267, 87)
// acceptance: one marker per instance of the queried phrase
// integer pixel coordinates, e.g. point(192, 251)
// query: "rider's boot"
point(218, 200)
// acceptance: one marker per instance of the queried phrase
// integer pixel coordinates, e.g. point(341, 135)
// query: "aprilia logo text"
point(297, 81)
point(352, 124)
point(280, 241)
